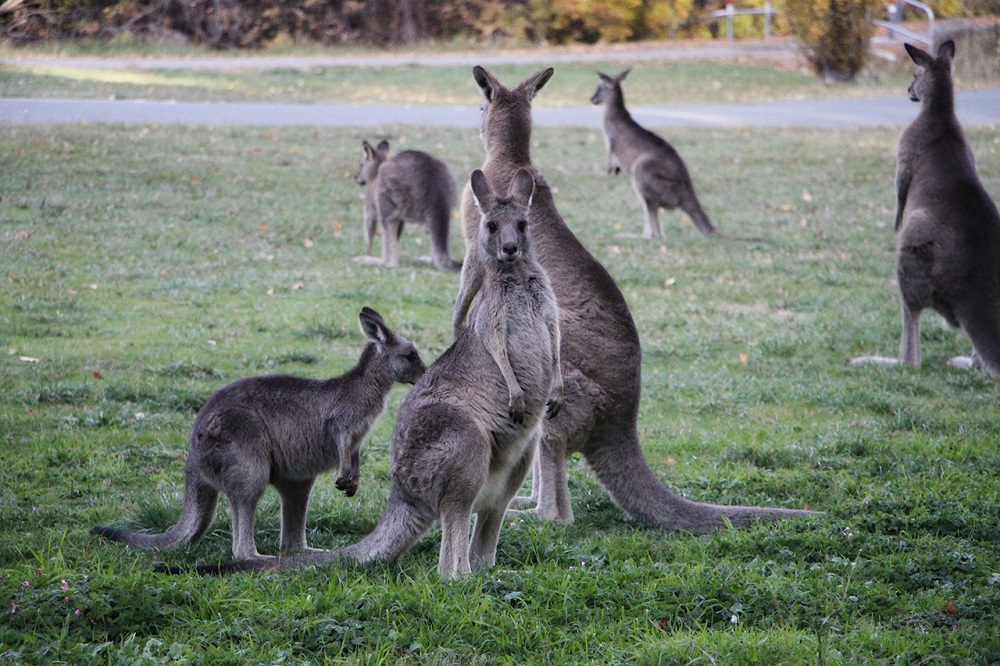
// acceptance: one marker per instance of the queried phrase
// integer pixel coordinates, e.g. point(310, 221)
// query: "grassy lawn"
point(145, 267)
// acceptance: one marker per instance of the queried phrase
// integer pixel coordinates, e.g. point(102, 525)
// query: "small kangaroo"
point(659, 176)
point(947, 227)
point(467, 433)
point(414, 186)
point(601, 357)
point(284, 431)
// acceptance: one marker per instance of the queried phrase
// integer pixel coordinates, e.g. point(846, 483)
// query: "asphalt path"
point(981, 107)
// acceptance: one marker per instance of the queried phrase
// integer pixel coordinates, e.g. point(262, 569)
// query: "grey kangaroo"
point(467, 432)
point(411, 185)
point(284, 431)
point(947, 227)
point(600, 354)
point(659, 176)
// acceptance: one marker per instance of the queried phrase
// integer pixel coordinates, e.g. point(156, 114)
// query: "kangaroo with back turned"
point(467, 433)
point(284, 431)
point(659, 176)
point(411, 185)
point(600, 353)
point(947, 226)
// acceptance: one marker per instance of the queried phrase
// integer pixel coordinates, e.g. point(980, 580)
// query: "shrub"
point(834, 35)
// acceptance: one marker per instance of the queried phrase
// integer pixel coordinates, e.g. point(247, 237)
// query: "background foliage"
point(256, 23)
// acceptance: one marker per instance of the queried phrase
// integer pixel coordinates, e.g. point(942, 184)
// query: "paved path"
point(974, 108)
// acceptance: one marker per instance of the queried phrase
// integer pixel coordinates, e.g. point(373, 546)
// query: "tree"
point(834, 35)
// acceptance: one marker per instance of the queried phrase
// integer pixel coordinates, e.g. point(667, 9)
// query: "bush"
point(834, 35)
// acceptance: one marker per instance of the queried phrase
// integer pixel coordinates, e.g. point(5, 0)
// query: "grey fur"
point(659, 176)
point(411, 185)
point(947, 226)
point(284, 431)
point(467, 433)
point(601, 356)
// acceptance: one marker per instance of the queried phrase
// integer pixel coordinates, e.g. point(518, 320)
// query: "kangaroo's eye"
point(522, 225)
point(491, 227)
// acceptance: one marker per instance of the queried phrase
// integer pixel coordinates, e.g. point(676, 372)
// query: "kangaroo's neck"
point(512, 144)
point(939, 101)
point(614, 107)
point(366, 379)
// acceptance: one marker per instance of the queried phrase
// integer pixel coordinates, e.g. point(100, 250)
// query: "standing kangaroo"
point(947, 227)
point(284, 431)
point(414, 186)
point(466, 434)
point(600, 353)
point(659, 176)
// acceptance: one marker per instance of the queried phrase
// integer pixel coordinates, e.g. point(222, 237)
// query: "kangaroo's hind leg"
point(294, 506)
point(489, 518)
point(244, 484)
point(981, 322)
point(909, 339)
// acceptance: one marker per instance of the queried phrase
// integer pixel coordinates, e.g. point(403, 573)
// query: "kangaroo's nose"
point(509, 249)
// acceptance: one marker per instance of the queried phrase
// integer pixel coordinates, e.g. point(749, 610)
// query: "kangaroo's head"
point(394, 353)
point(503, 230)
point(933, 76)
point(371, 161)
point(608, 86)
point(505, 123)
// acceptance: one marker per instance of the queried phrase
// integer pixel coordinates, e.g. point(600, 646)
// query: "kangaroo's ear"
point(383, 147)
point(522, 187)
point(369, 151)
point(604, 77)
point(918, 56)
point(621, 77)
point(486, 82)
point(373, 327)
point(947, 50)
point(481, 190)
point(535, 83)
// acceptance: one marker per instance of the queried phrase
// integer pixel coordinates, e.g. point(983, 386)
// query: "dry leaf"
point(950, 608)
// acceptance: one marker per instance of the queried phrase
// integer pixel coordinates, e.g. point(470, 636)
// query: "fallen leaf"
point(30, 359)
point(744, 357)
point(806, 196)
point(97, 374)
point(308, 242)
point(950, 608)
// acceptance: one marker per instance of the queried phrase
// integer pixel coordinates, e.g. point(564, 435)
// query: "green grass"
point(146, 267)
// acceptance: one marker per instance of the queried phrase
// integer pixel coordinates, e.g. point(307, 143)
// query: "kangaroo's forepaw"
point(347, 486)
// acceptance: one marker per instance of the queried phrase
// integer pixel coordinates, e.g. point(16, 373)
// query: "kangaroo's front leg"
point(471, 283)
point(349, 473)
point(495, 340)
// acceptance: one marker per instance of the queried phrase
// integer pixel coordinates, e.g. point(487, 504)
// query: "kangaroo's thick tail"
point(623, 471)
point(693, 208)
point(981, 322)
point(402, 523)
point(200, 502)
